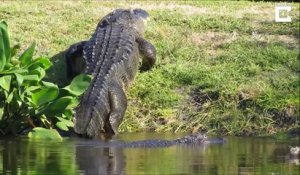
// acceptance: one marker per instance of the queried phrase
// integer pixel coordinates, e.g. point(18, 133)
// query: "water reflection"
point(104, 161)
point(91, 157)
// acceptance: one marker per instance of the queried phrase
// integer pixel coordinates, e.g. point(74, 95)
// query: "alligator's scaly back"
point(111, 56)
point(193, 139)
point(113, 61)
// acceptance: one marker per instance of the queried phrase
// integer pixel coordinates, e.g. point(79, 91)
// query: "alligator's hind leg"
point(74, 59)
point(118, 105)
point(149, 54)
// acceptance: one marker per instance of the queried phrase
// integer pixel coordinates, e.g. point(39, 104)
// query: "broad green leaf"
point(62, 126)
point(8, 66)
point(2, 53)
point(44, 62)
point(75, 102)
point(79, 84)
point(28, 99)
point(2, 58)
point(28, 92)
point(41, 62)
point(40, 72)
point(5, 94)
point(49, 84)
point(5, 39)
point(68, 123)
point(44, 95)
point(19, 78)
point(4, 45)
point(42, 133)
point(58, 106)
point(26, 57)
point(5, 82)
point(13, 70)
point(10, 97)
point(1, 112)
point(68, 114)
point(31, 77)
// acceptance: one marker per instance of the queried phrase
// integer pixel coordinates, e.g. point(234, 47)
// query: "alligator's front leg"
point(118, 105)
point(74, 59)
point(149, 54)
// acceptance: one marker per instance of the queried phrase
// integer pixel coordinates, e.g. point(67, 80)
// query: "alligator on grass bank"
point(111, 56)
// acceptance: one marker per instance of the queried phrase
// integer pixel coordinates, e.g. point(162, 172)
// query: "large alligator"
point(193, 139)
point(197, 139)
point(111, 56)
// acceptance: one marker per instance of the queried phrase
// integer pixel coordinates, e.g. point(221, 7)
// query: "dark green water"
point(240, 156)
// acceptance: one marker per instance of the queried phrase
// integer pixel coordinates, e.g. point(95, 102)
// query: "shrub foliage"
point(26, 101)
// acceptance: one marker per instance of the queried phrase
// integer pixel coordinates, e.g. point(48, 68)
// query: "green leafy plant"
point(26, 101)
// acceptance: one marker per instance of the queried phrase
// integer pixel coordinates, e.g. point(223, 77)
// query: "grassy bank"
point(226, 69)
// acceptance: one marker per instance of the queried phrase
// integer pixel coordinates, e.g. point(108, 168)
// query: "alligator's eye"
point(104, 23)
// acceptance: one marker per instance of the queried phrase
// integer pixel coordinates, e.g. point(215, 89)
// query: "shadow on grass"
point(58, 73)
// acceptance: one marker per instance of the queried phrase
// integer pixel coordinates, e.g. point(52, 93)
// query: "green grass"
point(222, 68)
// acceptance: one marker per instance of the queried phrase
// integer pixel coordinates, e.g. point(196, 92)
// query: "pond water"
point(240, 156)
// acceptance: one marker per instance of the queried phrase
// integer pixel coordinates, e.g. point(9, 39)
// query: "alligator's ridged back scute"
point(99, 118)
point(94, 54)
point(125, 72)
point(147, 143)
point(115, 54)
point(131, 67)
point(85, 124)
point(116, 44)
point(94, 50)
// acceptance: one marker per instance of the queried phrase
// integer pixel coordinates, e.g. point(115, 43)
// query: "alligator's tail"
point(91, 114)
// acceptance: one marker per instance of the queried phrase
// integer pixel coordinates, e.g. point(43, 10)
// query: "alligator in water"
point(111, 56)
point(192, 139)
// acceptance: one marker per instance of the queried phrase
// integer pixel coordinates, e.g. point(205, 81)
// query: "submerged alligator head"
point(192, 139)
point(111, 56)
